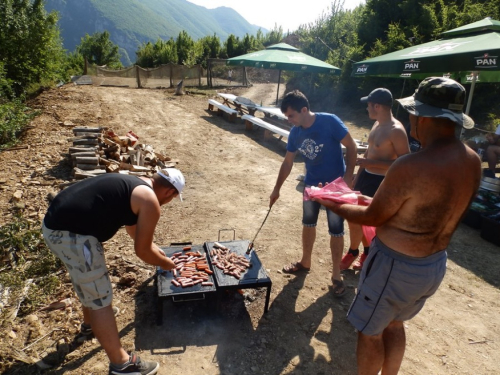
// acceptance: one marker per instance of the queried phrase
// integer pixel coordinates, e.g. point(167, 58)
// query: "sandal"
point(295, 267)
point(337, 286)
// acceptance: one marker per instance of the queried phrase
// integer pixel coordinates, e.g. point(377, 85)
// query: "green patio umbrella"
point(468, 54)
point(283, 56)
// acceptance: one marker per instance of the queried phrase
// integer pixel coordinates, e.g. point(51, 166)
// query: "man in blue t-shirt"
point(319, 138)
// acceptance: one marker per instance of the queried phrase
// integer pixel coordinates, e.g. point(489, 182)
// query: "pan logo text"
point(411, 66)
point(362, 69)
point(486, 61)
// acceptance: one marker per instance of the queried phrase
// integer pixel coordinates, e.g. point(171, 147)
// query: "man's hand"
point(274, 197)
point(327, 203)
point(168, 264)
point(364, 200)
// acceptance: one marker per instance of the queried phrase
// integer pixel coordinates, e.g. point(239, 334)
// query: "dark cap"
point(438, 97)
point(379, 96)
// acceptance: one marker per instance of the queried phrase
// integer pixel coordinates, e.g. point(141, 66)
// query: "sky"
point(268, 13)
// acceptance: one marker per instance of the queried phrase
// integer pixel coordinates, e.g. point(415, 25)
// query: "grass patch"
point(14, 118)
point(25, 256)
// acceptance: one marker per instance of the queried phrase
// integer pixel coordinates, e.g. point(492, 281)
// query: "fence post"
point(138, 76)
point(200, 71)
point(171, 73)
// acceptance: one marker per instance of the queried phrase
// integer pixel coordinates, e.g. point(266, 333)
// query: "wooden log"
point(89, 136)
point(87, 130)
point(85, 141)
point(92, 160)
point(89, 167)
point(83, 153)
point(82, 148)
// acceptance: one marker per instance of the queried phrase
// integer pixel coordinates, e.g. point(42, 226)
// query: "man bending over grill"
point(90, 212)
point(416, 209)
point(319, 138)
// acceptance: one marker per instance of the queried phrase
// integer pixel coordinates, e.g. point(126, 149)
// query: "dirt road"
point(230, 173)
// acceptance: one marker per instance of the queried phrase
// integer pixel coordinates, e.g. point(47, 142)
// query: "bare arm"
point(285, 169)
point(351, 151)
point(387, 201)
point(145, 204)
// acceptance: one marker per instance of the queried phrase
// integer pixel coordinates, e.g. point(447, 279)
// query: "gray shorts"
point(84, 259)
point(393, 286)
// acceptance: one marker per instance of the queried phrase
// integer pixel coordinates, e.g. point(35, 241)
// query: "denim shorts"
point(83, 256)
point(310, 213)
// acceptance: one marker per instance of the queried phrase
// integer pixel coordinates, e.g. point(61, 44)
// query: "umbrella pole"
point(471, 93)
point(469, 99)
point(278, 92)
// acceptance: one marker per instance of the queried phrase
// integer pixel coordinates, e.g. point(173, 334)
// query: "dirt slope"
point(230, 173)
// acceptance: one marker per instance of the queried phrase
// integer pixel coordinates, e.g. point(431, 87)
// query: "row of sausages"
point(191, 268)
point(227, 261)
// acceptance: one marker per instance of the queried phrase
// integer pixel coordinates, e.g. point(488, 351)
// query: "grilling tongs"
point(250, 245)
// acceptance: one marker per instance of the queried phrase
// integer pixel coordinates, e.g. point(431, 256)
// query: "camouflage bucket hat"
point(438, 97)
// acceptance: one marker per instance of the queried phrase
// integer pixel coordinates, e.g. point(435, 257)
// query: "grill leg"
point(268, 296)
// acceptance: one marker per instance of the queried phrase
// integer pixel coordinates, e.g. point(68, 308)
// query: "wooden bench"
point(269, 128)
point(221, 109)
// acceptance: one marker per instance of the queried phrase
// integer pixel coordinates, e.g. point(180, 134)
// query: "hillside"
point(138, 21)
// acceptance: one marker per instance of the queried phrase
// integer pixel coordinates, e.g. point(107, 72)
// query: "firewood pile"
point(97, 151)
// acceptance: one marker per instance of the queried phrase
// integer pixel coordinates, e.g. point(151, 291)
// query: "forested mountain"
point(131, 22)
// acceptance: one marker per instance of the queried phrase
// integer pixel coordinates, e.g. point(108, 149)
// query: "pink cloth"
point(337, 191)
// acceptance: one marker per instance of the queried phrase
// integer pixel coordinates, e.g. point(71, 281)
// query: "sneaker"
point(346, 261)
point(359, 264)
point(136, 366)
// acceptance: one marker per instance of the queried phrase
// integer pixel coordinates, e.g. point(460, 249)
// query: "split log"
point(112, 168)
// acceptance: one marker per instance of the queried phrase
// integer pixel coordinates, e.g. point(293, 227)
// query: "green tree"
point(231, 46)
point(100, 50)
point(31, 48)
point(185, 46)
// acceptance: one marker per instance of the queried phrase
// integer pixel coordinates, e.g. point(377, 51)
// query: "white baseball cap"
point(175, 177)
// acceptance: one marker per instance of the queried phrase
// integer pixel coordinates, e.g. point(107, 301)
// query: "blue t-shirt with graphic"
point(320, 146)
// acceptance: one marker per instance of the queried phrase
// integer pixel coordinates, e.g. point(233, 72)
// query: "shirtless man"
point(386, 142)
point(416, 210)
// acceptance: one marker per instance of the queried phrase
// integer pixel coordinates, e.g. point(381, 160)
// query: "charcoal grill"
point(177, 293)
point(253, 277)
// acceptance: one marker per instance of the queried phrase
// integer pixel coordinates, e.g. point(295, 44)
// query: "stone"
point(18, 194)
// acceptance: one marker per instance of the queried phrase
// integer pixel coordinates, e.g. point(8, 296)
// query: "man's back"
point(429, 191)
